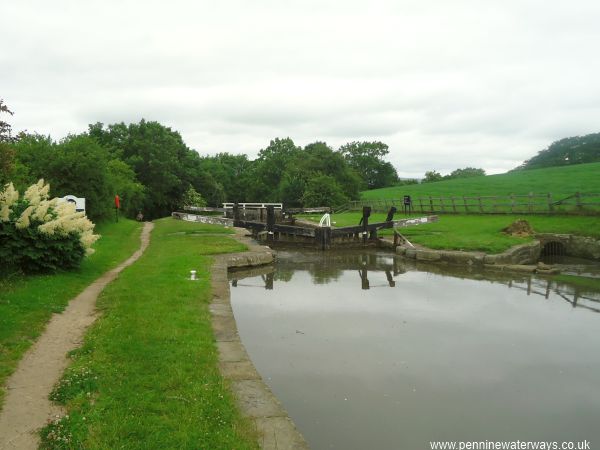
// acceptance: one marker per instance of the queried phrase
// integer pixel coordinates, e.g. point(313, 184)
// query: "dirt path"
point(27, 407)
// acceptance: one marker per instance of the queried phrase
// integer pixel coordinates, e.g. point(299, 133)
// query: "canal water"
point(370, 351)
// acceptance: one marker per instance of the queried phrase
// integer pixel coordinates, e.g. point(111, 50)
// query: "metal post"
point(365, 222)
point(270, 222)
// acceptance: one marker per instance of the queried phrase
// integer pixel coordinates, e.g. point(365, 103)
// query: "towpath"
point(27, 407)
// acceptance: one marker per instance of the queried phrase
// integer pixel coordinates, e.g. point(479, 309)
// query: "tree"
point(291, 188)
point(5, 127)
point(122, 182)
point(432, 176)
point(323, 190)
point(78, 165)
point(233, 173)
point(568, 151)
point(7, 153)
point(366, 158)
point(319, 158)
point(467, 172)
point(158, 156)
point(267, 170)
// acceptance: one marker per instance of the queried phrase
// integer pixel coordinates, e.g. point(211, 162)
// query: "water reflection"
point(373, 351)
point(327, 268)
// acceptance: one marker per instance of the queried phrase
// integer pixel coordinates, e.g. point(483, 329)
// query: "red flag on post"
point(117, 202)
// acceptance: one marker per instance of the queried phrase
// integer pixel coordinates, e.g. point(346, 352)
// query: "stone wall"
point(521, 254)
point(578, 246)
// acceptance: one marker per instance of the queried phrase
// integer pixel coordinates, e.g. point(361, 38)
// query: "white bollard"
point(193, 275)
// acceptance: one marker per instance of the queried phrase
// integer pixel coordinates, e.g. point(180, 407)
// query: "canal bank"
point(531, 257)
point(254, 398)
point(372, 350)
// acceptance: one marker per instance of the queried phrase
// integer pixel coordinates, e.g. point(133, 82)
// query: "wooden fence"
point(578, 203)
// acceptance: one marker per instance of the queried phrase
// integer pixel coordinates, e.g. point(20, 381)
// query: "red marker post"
point(117, 206)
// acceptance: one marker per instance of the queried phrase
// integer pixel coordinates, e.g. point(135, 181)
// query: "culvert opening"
point(552, 252)
point(554, 249)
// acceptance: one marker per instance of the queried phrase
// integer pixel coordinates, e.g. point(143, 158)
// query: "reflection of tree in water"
point(282, 274)
point(368, 267)
point(324, 274)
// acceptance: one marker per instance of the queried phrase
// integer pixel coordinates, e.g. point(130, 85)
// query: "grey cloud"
point(444, 84)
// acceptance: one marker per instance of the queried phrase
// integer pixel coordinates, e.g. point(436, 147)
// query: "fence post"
point(550, 205)
point(512, 202)
point(530, 205)
point(431, 204)
point(578, 200)
point(480, 205)
point(465, 203)
point(421, 203)
point(453, 204)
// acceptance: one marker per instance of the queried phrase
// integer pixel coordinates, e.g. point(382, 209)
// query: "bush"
point(41, 235)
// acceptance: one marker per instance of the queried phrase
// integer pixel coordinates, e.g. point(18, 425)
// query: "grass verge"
point(476, 232)
point(147, 375)
point(27, 302)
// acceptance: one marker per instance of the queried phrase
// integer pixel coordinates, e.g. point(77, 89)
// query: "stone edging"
point(519, 258)
point(254, 398)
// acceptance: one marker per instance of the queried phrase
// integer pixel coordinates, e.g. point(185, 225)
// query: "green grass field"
point(27, 302)
point(146, 376)
point(475, 232)
point(560, 181)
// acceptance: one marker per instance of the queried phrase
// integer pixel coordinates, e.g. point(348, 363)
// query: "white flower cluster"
point(50, 216)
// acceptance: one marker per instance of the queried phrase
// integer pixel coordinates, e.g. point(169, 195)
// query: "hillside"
point(560, 181)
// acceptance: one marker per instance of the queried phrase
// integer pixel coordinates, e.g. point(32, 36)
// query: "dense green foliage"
point(283, 172)
point(77, 165)
point(151, 169)
point(7, 153)
point(566, 152)
point(147, 376)
point(28, 301)
point(467, 172)
point(560, 181)
point(366, 158)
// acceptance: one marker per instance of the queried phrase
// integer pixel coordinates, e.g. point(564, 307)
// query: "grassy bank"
point(560, 181)
point(147, 376)
point(27, 302)
point(476, 232)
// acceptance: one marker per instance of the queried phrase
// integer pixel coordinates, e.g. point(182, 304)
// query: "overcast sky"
point(446, 84)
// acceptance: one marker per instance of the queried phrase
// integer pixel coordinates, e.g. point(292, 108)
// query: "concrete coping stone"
point(254, 398)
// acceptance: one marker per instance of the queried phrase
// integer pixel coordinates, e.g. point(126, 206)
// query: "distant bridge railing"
point(578, 203)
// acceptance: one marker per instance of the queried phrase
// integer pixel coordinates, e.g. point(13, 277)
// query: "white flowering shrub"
point(40, 235)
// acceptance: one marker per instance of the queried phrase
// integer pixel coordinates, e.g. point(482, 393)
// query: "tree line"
point(152, 169)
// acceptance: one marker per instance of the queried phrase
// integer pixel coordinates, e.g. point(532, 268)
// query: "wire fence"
point(578, 203)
